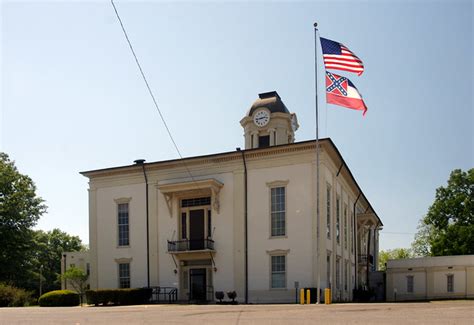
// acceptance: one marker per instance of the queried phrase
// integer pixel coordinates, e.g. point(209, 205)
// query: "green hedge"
point(13, 297)
point(59, 298)
point(118, 296)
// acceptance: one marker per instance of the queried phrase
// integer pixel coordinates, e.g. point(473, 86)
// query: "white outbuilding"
point(439, 277)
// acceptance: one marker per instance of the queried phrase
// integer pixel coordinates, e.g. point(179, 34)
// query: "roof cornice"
point(325, 143)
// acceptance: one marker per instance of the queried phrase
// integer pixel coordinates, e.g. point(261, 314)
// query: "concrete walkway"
point(440, 312)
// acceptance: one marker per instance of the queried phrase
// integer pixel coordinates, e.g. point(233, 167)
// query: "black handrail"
point(190, 245)
point(164, 295)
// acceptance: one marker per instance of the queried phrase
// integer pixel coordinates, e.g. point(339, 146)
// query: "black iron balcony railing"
point(190, 245)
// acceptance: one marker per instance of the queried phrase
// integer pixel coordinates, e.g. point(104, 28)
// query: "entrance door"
point(196, 229)
point(197, 279)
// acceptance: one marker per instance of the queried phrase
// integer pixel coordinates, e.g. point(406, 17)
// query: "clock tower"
point(268, 122)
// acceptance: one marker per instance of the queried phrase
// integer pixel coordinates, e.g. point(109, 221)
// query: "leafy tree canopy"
point(20, 209)
point(49, 247)
point(448, 227)
point(23, 251)
point(393, 254)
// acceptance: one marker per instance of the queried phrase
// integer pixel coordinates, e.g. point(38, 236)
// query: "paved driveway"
point(441, 312)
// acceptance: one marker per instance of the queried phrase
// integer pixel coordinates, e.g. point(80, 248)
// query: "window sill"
point(278, 289)
point(278, 237)
point(123, 246)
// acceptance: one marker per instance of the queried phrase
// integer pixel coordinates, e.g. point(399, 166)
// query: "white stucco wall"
point(108, 251)
point(298, 240)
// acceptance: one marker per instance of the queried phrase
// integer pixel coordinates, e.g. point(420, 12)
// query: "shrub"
point(13, 297)
point(118, 296)
point(59, 298)
point(220, 295)
point(232, 295)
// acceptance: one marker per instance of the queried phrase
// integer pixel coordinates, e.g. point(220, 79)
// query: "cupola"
point(268, 122)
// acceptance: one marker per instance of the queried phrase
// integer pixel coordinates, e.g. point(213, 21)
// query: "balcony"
point(363, 259)
point(189, 245)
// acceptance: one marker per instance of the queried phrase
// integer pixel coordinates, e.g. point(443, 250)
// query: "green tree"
point(393, 254)
point(20, 209)
point(77, 279)
point(448, 227)
point(421, 245)
point(49, 247)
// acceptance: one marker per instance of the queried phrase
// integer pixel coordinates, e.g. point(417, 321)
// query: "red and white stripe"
point(347, 61)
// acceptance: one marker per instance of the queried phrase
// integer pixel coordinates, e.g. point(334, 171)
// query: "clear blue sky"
point(73, 99)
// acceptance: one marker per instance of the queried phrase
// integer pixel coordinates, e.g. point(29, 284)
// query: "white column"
point(248, 140)
point(255, 139)
point(272, 136)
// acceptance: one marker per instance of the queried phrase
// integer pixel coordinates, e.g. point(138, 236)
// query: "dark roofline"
point(269, 94)
point(85, 173)
point(353, 178)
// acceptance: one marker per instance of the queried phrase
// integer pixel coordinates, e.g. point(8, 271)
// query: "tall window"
point(183, 226)
point(352, 231)
point(338, 219)
point(345, 226)
point(410, 283)
point(123, 225)
point(278, 272)
point(264, 141)
point(328, 211)
point(346, 275)
point(450, 282)
point(124, 275)
point(338, 273)
point(328, 269)
point(278, 211)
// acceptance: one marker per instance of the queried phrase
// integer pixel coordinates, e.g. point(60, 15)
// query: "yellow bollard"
point(327, 296)
point(301, 296)
point(308, 296)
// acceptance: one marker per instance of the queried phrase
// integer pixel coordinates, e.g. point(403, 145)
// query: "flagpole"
point(318, 267)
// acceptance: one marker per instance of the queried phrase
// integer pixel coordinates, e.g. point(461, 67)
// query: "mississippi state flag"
point(337, 56)
point(341, 91)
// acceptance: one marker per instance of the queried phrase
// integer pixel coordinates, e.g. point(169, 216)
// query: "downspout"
point(246, 229)
point(142, 163)
point(356, 258)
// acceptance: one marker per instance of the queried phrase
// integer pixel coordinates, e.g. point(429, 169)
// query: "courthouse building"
point(243, 220)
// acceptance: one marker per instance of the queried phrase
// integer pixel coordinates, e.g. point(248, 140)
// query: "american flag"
point(337, 56)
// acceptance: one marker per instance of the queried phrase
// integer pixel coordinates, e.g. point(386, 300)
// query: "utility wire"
point(149, 89)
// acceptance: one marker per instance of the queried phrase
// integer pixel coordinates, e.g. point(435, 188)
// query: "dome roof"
point(270, 100)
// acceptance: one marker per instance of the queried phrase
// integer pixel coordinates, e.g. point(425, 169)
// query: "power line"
point(397, 233)
point(149, 89)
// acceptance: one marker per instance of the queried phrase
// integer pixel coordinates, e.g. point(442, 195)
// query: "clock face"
point(261, 118)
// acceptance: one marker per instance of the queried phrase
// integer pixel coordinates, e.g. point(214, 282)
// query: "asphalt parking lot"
point(439, 312)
